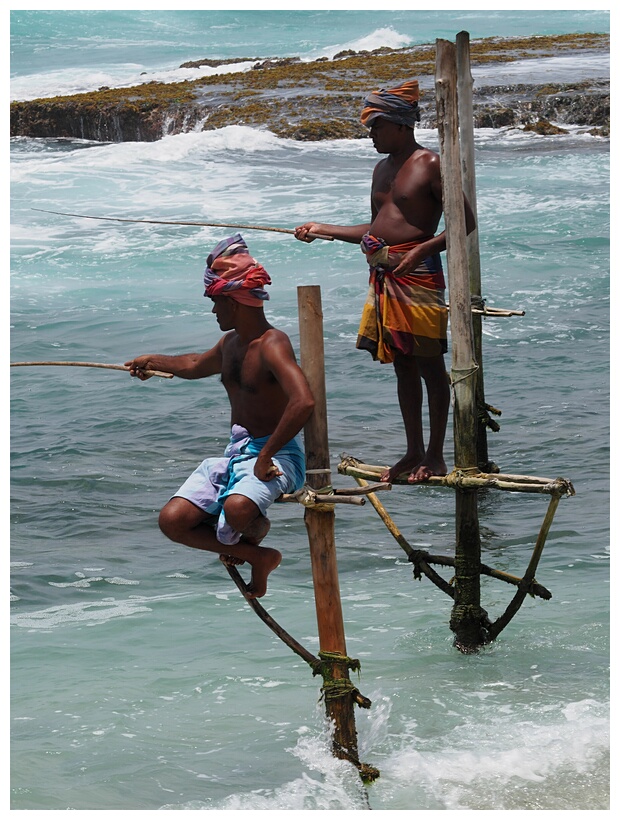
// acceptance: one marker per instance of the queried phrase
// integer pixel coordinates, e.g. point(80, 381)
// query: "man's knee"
point(169, 522)
point(240, 512)
point(177, 517)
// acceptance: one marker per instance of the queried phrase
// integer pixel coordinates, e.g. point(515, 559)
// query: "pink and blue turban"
point(399, 105)
point(231, 271)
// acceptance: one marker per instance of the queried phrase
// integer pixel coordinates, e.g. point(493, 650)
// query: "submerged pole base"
point(367, 772)
point(340, 696)
point(471, 627)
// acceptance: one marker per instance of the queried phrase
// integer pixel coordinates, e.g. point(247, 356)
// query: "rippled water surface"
point(140, 678)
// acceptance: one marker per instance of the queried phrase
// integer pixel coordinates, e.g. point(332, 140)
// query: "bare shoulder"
point(426, 160)
point(274, 339)
point(276, 349)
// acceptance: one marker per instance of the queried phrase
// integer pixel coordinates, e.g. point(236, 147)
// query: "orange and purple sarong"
point(402, 314)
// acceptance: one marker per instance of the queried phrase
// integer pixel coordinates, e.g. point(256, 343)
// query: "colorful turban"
point(398, 105)
point(231, 271)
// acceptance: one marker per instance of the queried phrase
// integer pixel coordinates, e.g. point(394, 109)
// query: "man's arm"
point(352, 233)
point(279, 359)
point(185, 366)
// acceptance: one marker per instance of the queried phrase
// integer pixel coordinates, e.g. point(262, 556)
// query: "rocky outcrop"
point(316, 100)
point(584, 104)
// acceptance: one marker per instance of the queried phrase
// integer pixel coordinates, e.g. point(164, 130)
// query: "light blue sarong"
point(216, 478)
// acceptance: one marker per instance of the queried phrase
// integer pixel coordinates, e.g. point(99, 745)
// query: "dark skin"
point(406, 206)
point(269, 396)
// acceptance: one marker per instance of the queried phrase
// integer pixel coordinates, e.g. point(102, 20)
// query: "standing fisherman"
point(405, 317)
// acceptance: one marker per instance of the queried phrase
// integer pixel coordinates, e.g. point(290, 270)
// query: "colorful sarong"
point(217, 478)
point(403, 314)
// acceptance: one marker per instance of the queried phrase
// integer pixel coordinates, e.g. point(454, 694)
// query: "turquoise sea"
point(140, 679)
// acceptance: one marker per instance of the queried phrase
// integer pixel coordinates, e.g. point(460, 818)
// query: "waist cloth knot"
point(402, 314)
point(216, 478)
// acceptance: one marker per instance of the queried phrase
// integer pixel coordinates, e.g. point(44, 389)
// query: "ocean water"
point(140, 679)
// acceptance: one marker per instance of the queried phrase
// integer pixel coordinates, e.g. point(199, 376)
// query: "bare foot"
point(405, 464)
point(231, 561)
point(427, 468)
point(268, 561)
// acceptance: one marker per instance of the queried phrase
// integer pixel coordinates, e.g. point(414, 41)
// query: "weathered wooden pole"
point(338, 691)
point(468, 619)
point(465, 83)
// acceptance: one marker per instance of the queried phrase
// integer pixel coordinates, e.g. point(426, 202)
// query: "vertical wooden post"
point(338, 692)
point(467, 619)
point(466, 129)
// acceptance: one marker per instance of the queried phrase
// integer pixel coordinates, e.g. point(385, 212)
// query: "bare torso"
point(257, 400)
point(406, 197)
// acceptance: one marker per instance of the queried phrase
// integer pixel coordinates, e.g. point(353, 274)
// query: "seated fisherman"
point(222, 506)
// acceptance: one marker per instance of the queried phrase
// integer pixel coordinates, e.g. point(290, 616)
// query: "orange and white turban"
point(398, 105)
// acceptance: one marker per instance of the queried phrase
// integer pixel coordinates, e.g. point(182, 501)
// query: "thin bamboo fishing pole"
point(193, 224)
point(159, 373)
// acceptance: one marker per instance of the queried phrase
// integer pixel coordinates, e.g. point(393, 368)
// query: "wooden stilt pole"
point(468, 618)
point(338, 691)
point(466, 129)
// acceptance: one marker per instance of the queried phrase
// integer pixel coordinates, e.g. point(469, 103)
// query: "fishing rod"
point(159, 373)
point(192, 224)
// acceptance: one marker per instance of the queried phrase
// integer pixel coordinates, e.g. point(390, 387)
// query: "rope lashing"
point(464, 374)
point(467, 373)
point(334, 657)
point(324, 498)
point(338, 688)
point(456, 476)
point(335, 688)
point(307, 497)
